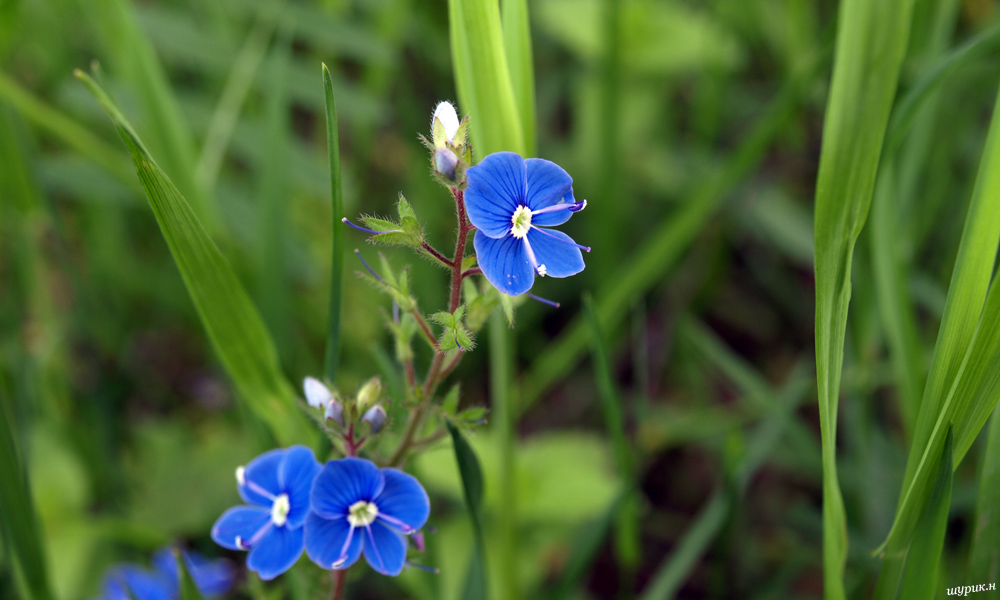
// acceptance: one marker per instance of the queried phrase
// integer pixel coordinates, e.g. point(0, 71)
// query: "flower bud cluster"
point(363, 412)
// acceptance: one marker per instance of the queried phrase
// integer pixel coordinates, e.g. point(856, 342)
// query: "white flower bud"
point(317, 394)
point(445, 113)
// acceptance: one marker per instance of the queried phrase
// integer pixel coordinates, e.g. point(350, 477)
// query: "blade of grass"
point(233, 324)
point(871, 42)
point(18, 520)
point(627, 543)
point(665, 244)
point(484, 84)
point(517, 46)
point(585, 549)
point(472, 486)
point(234, 94)
point(984, 555)
point(332, 359)
point(951, 393)
point(920, 577)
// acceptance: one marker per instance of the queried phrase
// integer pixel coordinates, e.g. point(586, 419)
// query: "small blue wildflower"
point(513, 202)
point(353, 494)
point(276, 484)
point(131, 582)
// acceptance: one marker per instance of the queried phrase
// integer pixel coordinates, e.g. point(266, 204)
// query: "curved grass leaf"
point(871, 42)
point(233, 324)
point(17, 517)
point(963, 385)
point(517, 45)
point(472, 486)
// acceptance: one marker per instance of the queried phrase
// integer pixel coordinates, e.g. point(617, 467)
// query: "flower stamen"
point(403, 527)
point(570, 206)
point(343, 551)
point(544, 232)
point(520, 222)
point(362, 514)
point(280, 509)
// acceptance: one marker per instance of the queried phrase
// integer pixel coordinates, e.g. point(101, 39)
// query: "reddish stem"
point(472, 271)
point(433, 252)
point(339, 577)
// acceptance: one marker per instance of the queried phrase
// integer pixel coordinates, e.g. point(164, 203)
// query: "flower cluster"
point(335, 512)
point(132, 582)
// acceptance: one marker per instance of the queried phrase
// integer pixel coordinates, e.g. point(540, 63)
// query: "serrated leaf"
point(444, 319)
point(233, 324)
point(474, 414)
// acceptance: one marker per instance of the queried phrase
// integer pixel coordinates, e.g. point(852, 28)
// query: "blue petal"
point(145, 585)
point(212, 577)
point(165, 563)
point(495, 189)
point(296, 476)
point(325, 540)
point(263, 473)
point(343, 482)
point(276, 552)
point(242, 521)
point(114, 587)
point(548, 184)
point(385, 550)
point(504, 263)
point(556, 251)
point(403, 499)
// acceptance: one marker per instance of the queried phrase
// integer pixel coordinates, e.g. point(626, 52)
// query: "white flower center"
point(362, 513)
point(520, 222)
point(279, 510)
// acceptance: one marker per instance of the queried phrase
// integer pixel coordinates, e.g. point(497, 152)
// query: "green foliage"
point(472, 486)
point(405, 232)
point(871, 41)
point(229, 317)
point(333, 338)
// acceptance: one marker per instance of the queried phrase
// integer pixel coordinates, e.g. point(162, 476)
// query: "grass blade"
point(332, 359)
point(502, 404)
point(984, 556)
point(920, 577)
point(472, 486)
point(233, 324)
point(517, 45)
point(871, 42)
point(484, 85)
point(19, 524)
point(961, 386)
point(627, 522)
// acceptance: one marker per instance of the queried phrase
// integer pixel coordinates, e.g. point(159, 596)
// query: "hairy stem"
point(339, 577)
point(440, 257)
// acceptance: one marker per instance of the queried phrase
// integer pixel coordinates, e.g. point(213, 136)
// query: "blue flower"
point(131, 582)
point(512, 202)
point(358, 508)
point(276, 485)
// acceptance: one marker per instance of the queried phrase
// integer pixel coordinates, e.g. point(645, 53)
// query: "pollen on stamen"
point(541, 270)
point(239, 543)
point(241, 477)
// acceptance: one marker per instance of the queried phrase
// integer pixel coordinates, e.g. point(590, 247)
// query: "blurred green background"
point(693, 129)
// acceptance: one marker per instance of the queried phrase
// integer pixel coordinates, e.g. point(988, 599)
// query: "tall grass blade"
point(332, 359)
point(502, 403)
point(517, 45)
point(233, 324)
point(484, 85)
point(920, 577)
point(472, 487)
point(984, 555)
point(18, 522)
point(962, 385)
point(871, 42)
point(627, 521)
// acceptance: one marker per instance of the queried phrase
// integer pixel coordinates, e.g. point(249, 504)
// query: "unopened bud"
point(369, 393)
point(317, 394)
point(375, 417)
point(444, 124)
point(334, 412)
point(445, 163)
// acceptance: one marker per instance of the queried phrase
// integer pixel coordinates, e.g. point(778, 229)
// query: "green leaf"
point(484, 87)
point(331, 360)
point(984, 555)
point(189, 591)
point(871, 42)
point(233, 324)
point(517, 46)
point(920, 577)
point(472, 486)
point(963, 384)
point(17, 518)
